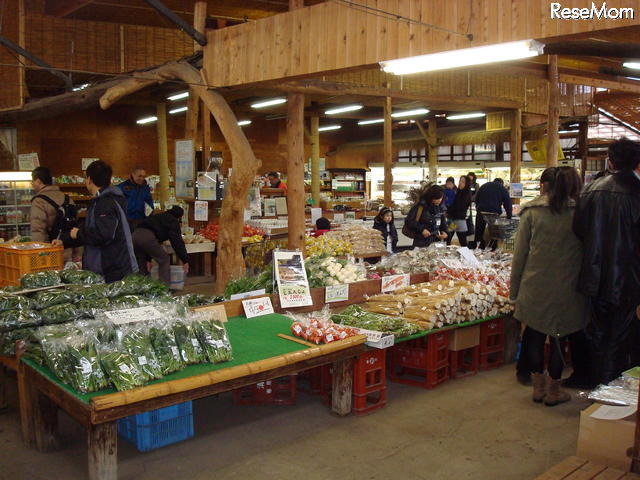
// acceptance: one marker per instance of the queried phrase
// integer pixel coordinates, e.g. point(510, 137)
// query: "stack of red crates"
point(422, 362)
point(369, 382)
point(279, 391)
point(492, 344)
point(463, 363)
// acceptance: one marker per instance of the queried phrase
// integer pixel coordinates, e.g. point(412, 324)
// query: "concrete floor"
point(481, 427)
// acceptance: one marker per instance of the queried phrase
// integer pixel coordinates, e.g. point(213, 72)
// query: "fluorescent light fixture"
point(80, 87)
point(410, 113)
point(178, 96)
point(269, 103)
point(178, 110)
point(568, 131)
point(15, 176)
point(633, 78)
point(242, 123)
point(500, 52)
point(633, 65)
point(371, 122)
point(463, 116)
point(142, 121)
point(329, 127)
point(346, 108)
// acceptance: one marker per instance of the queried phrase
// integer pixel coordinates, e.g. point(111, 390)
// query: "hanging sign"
point(291, 277)
point(391, 283)
point(201, 211)
point(88, 161)
point(28, 161)
point(256, 307)
point(336, 293)
point(184, 169)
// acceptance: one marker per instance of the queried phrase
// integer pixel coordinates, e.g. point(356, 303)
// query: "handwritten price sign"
point(336, 293)
point(394, 282)
point(257, 307)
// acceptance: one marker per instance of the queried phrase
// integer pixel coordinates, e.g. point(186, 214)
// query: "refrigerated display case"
point(15, 204)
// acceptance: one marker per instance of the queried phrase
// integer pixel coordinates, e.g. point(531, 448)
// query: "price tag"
point(468, 256)
point(217, 312)
point(336, 293)
point(338, 217)
point(394, 282)
point(253, 293)
point(257, 307)
point(132, 315)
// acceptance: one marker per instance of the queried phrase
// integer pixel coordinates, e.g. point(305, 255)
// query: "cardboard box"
point(463, 338)
point(605, 441)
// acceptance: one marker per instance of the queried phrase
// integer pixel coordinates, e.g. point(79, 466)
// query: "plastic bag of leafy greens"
point(49, 298)
point(102, 331)
point(166, 347)
point(16, 319)
point(8, 339)
point(115, 289)
point(14, 302)
point(84, 370)
point(11, 289)
point(213, 337)
point(47, 278)
point(135, 340)
point(63, 313)
point(120, 367)
point(81, 277)
point(128, 301)
point(89, 308)
point(89, 292)
point(197, 299)
point(136, 284)
point(55, 354)
point(190, 348)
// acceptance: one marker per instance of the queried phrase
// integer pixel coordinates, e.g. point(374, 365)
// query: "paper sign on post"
point(316, 213)
point(336, 293)
point(133, 315)
point(88, 161)
point(468, 256)
point(28, 161)
point(257, 307)
point(394, 282)
point(201, 211)
point(291, 277)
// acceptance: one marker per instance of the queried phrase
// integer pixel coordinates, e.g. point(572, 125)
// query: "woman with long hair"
point(384, 223)
point(425, 221)
point(458, 211)
point(544, 278)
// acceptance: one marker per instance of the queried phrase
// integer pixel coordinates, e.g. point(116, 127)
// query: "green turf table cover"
point(252, 340)
point(424, 333)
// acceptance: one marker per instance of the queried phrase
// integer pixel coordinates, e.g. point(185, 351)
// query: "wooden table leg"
point(342, 387)
point(207, 259)
point(3, 388)
point(38, 415)
point(103, 451)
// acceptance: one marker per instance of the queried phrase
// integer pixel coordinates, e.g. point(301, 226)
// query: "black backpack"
point(66, 218)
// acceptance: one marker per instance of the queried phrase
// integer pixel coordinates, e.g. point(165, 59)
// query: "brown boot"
point(555, 394)
point(539, 386)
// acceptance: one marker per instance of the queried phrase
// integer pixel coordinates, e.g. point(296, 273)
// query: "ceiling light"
point(500, 52)
point(633, 65)
point(80, 87)
point(142, 121)
point(269, 103)
point(178, 96)
point(14, 176)
point(463, 116)
point(410, 113)
point(371, 122)
point(346, 108)
point(329, 127)
point(242, 123)
point(569, 131)
point(178, 110)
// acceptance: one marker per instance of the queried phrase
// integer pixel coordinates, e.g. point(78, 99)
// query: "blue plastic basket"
point(157, 428)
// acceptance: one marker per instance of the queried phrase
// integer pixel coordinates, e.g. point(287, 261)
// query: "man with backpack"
point(52, 212)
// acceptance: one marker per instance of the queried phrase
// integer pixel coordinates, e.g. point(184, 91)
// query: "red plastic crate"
point(369, 372)
point(492, 336)
point(279, 391)
point(491, 360)
point(369, 402)
point(426, 353)
point(463, 363)
point(315, 381)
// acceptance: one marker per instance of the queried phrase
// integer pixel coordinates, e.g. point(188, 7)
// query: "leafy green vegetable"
point(48, 298)
point(355, 316)
point(89, 308)
point(81, 277)
point(8, 339)
point(14, 302)
point(17, 319)
point(11, 289)
point(121, 368)
point(88, 292)
point(136, 342)
point(213, 338)
point(142, 285)
point(62, 313)
point(190, 348)
point(166, 348)
point(197, 299)
point(47, 278)
point(128, 301)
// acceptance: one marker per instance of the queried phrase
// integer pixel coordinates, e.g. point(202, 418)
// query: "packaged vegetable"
point(134, 339)
point(80, 277)
point(62, 313)
point(8, 339)
point(89, 308)
point(213, 338)
point(48, 298)
point(123, 371)
point(166, 347)
point(190, 348)
point(14, 302)
point(17, 319)
point(47, 278)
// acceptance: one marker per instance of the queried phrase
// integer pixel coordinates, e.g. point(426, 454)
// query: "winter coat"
point(387, 229)
point(106, 236)
point(137, 197)
point(459, 209)
point(43, 215)
point(608, 222)
point(545, 270)
point(432, 219)
point(167, 227)
point(491, 197)
point(449, 196)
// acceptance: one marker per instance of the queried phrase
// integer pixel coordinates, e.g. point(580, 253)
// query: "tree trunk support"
point(315, 161)
point(163, 153)
point(388, 152)
point(102, 442)
point(295, 170)
point(516, 149)
point(553, 120)
point(433, 151)
point(342, 392)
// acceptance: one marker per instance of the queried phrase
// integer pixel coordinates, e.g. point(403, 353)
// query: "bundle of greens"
point(89, 308)
point(17, 319)
point(127, 301)
point(14, 302)
point(47, 278)
point(88, 292)
point(115, 289)
point(166, 347)
point(355, 316)
point(62, 313)
point(190, 348)
point(213, 338)
point(134, 340)
point(120, 367)
point(143, 285)
point(49, 298)
point(11, 289)
point(8, 339)
point(80, 277)
point(197, 299)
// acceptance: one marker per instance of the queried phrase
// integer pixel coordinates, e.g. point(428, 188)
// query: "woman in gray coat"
point(544, 278)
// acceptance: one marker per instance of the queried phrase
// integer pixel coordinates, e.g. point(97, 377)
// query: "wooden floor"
point(574, 468)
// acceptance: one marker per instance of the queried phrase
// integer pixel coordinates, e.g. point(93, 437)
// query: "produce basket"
point(500, 228)
point(18, 259)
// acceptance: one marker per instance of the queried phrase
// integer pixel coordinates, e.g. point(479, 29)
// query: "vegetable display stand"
point(423, 362)
point(492, 344)
point(464, 363)
point(369, 382)
point(279, 391)
point(158, 428)
point(19, 259)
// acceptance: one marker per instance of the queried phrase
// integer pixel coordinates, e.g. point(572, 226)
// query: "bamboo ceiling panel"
point(625, 106)
point(11, 75)
point(332, 35)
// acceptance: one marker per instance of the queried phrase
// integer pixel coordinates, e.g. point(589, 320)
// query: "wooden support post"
point(38, 416)
point(199, 21)
point(295, 4)
point(191, 121)
point(163, 154)
point(295, 170)
point(315, 161)
point(342, 387)
point(388, 151)
point(206, 135)
point(516, 148)
point(102, 443)
point(583, 146)
point(553, 116)
point(433, 151)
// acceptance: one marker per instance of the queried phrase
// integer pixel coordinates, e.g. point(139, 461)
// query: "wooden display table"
point(259, 355)
point(574, 468)
point(207, 249)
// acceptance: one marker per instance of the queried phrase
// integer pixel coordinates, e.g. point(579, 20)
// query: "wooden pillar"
point(295, 4)
point(199, 21)
point(315, 161)
point(191, 121)
point(553, 116)
point(583, 146)
point(163, 154)
point(38, 415)
point(295, 170)
point(342, 387)
point(433, 151)
point(206, 135)
point(516, 148)
point(102, 445)
point(388, 151)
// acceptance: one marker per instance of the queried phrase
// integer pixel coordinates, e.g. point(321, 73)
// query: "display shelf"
point(16, 222)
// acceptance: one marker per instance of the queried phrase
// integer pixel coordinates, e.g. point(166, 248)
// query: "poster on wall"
point(28, 161)
point(184, 169)
point(201, 211)
point(516, 190)
point(87, 161)
point(291, 278)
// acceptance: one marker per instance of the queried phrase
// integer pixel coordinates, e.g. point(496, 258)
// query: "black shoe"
point(524, 378)
point(579, 383)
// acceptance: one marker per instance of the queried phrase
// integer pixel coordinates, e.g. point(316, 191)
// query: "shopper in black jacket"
point(149, 236)
point(608, 222)
point(491, 198)
point(105, 234)
point(384, 223)
point(426, 218)
point(459, 210)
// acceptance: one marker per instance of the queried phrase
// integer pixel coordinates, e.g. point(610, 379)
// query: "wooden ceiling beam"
point(63, 8)
point(579, 77)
